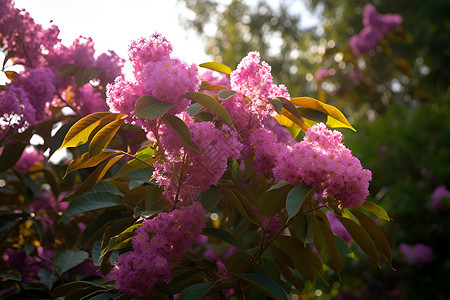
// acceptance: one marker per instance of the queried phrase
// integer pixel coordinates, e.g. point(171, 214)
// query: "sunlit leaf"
point(150, 108)
point(121, 240)
point(103, 137)
point(181, 130)
point(10, 75)
point(376, 210)
point(283, 120)
point(97, 175)
point(335, 117)
point(299, 122)
point(85, 161)
point(82, 130)
point(216, 66)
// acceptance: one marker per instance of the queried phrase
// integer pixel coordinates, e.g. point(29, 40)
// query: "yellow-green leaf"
point(103, 137)
point(82, 130)
point(376, 210)
point(335, 117)
point(97, 175)
point(299, 122)
point(216, 66)
point(85, 161)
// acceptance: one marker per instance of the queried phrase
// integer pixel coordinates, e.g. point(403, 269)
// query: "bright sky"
point(112, 24)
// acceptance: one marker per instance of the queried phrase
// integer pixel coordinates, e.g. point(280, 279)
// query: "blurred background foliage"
point(397, 96)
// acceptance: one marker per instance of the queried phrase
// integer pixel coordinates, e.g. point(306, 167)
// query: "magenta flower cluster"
point(376, 26)
point(156, 74)
point(158, 243)
point(27, 99)
point(29, 158)
point(323, 162)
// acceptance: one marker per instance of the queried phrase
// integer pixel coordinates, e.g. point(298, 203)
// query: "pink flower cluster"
point(321, 161)
point(157, 245)
point(185, 173)
point(376, 26)
point(417, 254)
point(26, 100)
point(254, 82)
point(30, 157)
point(323, 73)
point(26, 39)
point(156, 74)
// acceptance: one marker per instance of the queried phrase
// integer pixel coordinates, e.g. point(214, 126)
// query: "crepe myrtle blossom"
point(376, 27)
point(158, 243)
point(323, 162)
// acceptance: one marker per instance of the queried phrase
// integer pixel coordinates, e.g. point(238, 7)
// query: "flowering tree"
point(222, 195)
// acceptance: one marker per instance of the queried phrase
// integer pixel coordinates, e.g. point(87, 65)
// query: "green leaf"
point(295, 198)
point(8, 221)
point(103, 137)
point(222, 235)
point(145, 154)
point(105, 296)
point(65, 260)
point(240, 202)
point(121, 240)
point(277, 105)
point(64, 289)
point(208, 102)
point(266, 285)
point(181, 130)
point(290, 276)
point(223, 95)
point(47, 277)
point(150, 108)
point(325, 243)
point(196, 291)
point(376, 210)
point(335, 117)
point(11, 154)
point(361, 237)
point(274, 199)
point(210, 198)
point(216, 66)
point(82, 130)
point(91, 201)
point(292, 252)
point(106, 187)
point(377, 235)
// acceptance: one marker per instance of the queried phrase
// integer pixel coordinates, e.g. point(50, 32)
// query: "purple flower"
point(29, 158)
point(439, 193)
point(418, 254)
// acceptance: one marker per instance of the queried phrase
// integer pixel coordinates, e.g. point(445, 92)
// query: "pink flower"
point(321, 161)
point(185, 173)
point(111, 65)
point(338, 229)
point(438, 194)
point(376, 27)
point(323, 73)
point(88, 101)
point(30, 157)
point(418, 253)
point(157, 244)
point(253, 80)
